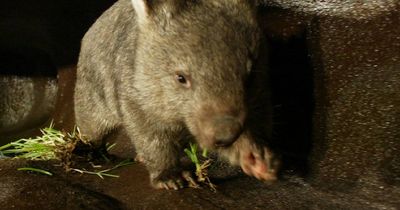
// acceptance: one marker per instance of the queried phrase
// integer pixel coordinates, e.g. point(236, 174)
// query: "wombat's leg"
point(254, 159)
point(160, 152)
point(91, 115)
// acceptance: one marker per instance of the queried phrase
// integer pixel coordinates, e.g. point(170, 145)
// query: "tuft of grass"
point(54, 145)
point(201, 166)
point(39, 148)
point(49, 146)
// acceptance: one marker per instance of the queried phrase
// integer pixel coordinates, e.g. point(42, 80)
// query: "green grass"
point(41, 171)
point(44, 147)
point(201, 166)
point(54, 145)
point(57, 145)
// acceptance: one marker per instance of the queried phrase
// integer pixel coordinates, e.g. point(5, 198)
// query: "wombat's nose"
point(227, 130)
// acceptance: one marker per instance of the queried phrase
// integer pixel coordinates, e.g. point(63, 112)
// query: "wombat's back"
point(107, 50)
point(112, 34)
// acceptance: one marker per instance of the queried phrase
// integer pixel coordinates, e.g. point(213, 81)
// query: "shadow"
point(26, 62)
point(292, 97)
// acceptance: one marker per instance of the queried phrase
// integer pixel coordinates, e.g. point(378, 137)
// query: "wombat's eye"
point(182, 79)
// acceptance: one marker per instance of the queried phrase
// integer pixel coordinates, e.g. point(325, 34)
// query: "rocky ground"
point(26, 190)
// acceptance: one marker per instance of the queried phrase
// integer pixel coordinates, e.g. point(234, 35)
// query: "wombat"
point(174, 71)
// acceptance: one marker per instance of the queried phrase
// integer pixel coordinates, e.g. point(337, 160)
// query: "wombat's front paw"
point(173, 181)
point(259, 162)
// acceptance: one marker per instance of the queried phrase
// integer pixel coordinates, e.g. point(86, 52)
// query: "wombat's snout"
point(227, 130)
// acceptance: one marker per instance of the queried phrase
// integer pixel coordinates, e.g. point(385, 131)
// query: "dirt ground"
point(23, 190)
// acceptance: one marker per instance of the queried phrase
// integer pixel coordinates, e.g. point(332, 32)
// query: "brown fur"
point(127, 77)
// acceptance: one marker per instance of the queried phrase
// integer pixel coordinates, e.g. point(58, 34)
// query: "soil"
point(27, 190)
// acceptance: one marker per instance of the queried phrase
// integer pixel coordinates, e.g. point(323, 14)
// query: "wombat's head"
point(192, 63)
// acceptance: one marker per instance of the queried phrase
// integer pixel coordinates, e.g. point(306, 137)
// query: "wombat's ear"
point(142, 8)
point(163, 10)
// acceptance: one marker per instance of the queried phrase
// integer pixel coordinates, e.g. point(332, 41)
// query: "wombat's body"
point(174, 71)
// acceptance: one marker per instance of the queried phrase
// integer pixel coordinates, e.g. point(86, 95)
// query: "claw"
point(189, 178)
point(175, 182)
point(258, 164)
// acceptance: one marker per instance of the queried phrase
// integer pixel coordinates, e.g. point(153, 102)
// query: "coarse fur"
point(130, 72)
